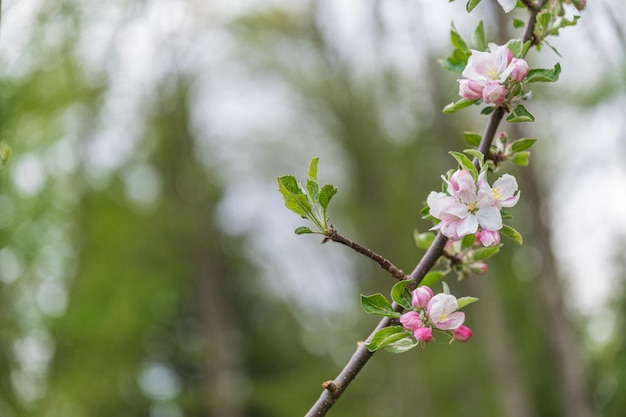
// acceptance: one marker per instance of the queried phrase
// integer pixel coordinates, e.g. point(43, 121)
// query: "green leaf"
point(458, 105)
point(520, 158)
point(402, 345)
point(480, 254)
point(512, 234)
point(295, 199)
point(378, 304)
point(478, 37)
point(518, 23)
point(522, 144)
point(487, 110)
point(386, 336)
point(516, 46)
point(544, 75)
point(433, 277)
point(468, 240)
point(446, 289)
point(456, 39)
point(401, 294)
point(423, 240)
point(312, 175)
point(465, 301)
point(326, 194)
point(520, 114)
point(472, 138)
point(303, 230)
point(5, 153)
point(470, 6)
point(476, 154)
point(465, 163)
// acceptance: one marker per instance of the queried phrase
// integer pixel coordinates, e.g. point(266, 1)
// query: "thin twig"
point(384, 263)
point(333, 389)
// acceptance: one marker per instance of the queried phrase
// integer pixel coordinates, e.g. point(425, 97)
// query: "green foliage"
point(458, 105)
point(457, 60)
point(311, 202)
point(377, 304)
point(387, 336)
point(401, 294)
point(544, 75)
point(519, 115)
point(472, 138)
point(512, 234)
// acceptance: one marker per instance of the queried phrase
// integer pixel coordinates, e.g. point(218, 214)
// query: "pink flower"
point(423, 334)
point(505, 192)
point(489, 237)
point(520, 69)
point(462, 334)
point(489, 66)
point(470, 89)
point(421, 296)
point(442, 312)
point(494, 92)
point(466, 208)
point(411, 321)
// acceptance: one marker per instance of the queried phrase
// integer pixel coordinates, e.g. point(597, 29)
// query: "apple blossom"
point(442, 312)
point(494, 92)
point(489, 66)
point(462, 334)
point(423, 334)
point(470, 89)
point(489, 237)
point(421, 296)
point(466, 208)
point(505, 191)
point(520, 69)
point(411, 321)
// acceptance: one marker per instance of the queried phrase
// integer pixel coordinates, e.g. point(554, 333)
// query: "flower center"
point(443, 317)
point(497, 195)
point(472, 207)
point(492, 72)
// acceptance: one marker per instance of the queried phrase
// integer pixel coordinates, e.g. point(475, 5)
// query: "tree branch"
point(384, 263)
point(333, 389)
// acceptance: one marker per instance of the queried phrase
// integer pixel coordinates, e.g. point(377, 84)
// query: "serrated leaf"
point(423, 240)
point(465, 301)
point(480, 254)
point(312, 189)
point(433, 277)
point(326, 194)
point(379, 305)
point(402, 345)
point(522, 144)
point(465, 163)
point(544, 75)
point(472, 138)
point(520, 158)
point(386, 336)
point(458, 105)
point(478, 37)
point(401, 294)
point(518, 23)
point(512, 234)
point(312, 174)
point(302, 230)
point(295, 199)
point(519, 115)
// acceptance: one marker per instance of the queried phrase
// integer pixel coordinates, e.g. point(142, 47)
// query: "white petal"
point(489, 218)
point(507, 5)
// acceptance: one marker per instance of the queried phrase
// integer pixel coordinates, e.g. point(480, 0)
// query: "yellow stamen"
point(497, 195)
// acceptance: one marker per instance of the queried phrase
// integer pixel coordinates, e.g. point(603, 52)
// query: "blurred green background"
point(148, 268)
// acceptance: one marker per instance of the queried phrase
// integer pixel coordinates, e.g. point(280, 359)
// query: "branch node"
point(331, 386)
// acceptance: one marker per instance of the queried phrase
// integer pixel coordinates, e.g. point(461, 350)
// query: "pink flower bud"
point(478, 268)
point(421, 296)
point(520, 69)
point(470, 89)
point(411, 321)
point(509, 56)
point(462, 334)
point(494, 92)
point(489, 237)
point(424, 334)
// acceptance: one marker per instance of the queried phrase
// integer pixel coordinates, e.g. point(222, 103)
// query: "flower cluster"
point(439, 311)
point(471, 206)
point(487, 74)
